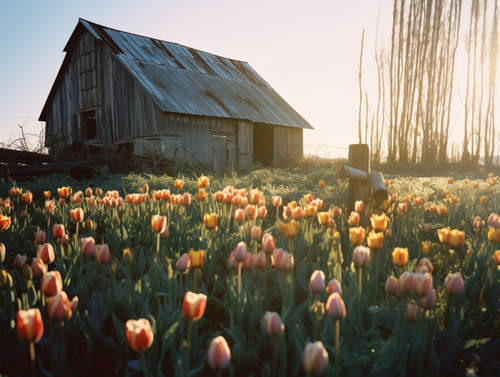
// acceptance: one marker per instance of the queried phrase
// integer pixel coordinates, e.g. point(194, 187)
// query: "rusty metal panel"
point(188, 81)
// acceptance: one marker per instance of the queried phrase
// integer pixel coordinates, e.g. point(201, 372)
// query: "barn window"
point(89, 126)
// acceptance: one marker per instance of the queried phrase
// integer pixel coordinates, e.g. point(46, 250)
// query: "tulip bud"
point(261, 260)
point(452, 256)
point(74, 304)
point(317, 282)
point(287, 262)
point(19, 261)
point(64, 241)
point(5, 279)
point(40, 237)
point(428, 302)
point(388, 234)
point(425, 228)
point(165, 234)
point(183, 264)
point(361, 257)
point(315, 359)
point(193, 306)
point(23, 215)
point(454, 284)
point(427, 248)
point(219, 355)
point(59, 307)
point(26, 272)
point(335, 307)
point(273, 324)
point(477, 223)
point(51, 283)
point(392, 287)
point(240, 252)
point(128, 257)
point(427, 263)
point(102, 254)
point(332, 287)
point(139, 334)
point(413, 312)
point(29, 325)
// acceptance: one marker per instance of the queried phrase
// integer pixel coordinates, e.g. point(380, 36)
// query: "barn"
point(154, 100)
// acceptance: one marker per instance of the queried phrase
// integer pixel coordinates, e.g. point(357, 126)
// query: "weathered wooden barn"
point(146, 97)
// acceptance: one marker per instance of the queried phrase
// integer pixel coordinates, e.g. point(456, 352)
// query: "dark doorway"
point(89, 126)
point(263, 144)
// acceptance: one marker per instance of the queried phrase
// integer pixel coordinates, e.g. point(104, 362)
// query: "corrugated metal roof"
point(183, 80)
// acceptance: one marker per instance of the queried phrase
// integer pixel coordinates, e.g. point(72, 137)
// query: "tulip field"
point(264, 274)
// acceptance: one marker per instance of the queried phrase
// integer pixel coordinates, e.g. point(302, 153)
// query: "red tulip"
point(59, 307)
point(40, 237)
point(102, 254)
point(88, 247)
point(139, 334)
point(38, 268)
point(51, 283)
point(193, 306)
point(58, 231)
point(29, 325)
point(158, 223)
point(46, 253)
point(261, 260)
point(268, 244)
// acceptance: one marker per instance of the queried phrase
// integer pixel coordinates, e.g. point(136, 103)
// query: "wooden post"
point(359, 158)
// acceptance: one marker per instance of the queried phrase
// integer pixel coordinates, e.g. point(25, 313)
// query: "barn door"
point(223, 151)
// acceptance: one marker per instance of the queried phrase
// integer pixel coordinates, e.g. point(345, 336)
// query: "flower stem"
point(32, 357)
point(104, 279)
point(143, 363)
point(360, 286)
point(239, 277)
point(188, 347)
point(180, 289)
point(275, 355)
point(337, 338)
point(158, 244)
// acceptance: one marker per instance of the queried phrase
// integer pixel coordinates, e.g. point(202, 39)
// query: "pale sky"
point(307, 50)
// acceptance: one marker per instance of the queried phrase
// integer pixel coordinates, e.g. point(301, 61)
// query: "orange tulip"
point(77, 215)
point(139, 334)
point(489, 190)
point(454, 284)
point(255, 196)
point(356, 236)
point(193, 306)
point(315, 359)
point(353, 219)
point(293, 204)
point(400, 256)
point(287, 262)
point(452, 200)
point(403, 208)
point(379, 223)
point(239, 215)
point(492, 181)
point(332, 287)
point(483, 199)
point(267, 245)
point(256, 232)
point(203, 182)
point(277, 201)
point(291, 229)
point(444, 235)
point(450, 180)
point(64, 192)
point(297, 213)
point(359, 206)
point(262, 212)
point(432, 208)
point(494, 235)
point(185, 200)
point(29, 325)
point(4, 222)
point(337, 212)
point(475, 184)
point(59, 307)
point(38, 268)
point(58, 231)
point(27, 197)
point(308, 198)
point(324, 218)
point(276, 257)
point(321, 184)
point(88, 247)
point(419, 201)
point(51, 283)
point(45, 252)
point(201, 196)
point(309, 211)
point(15, 191)
point(261, 260)
point(375, 241)
point(219, 355)
point(496, 258)
point(158, 223)
point(251, 212)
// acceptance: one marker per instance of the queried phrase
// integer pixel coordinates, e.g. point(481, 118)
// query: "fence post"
point(359, 158)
